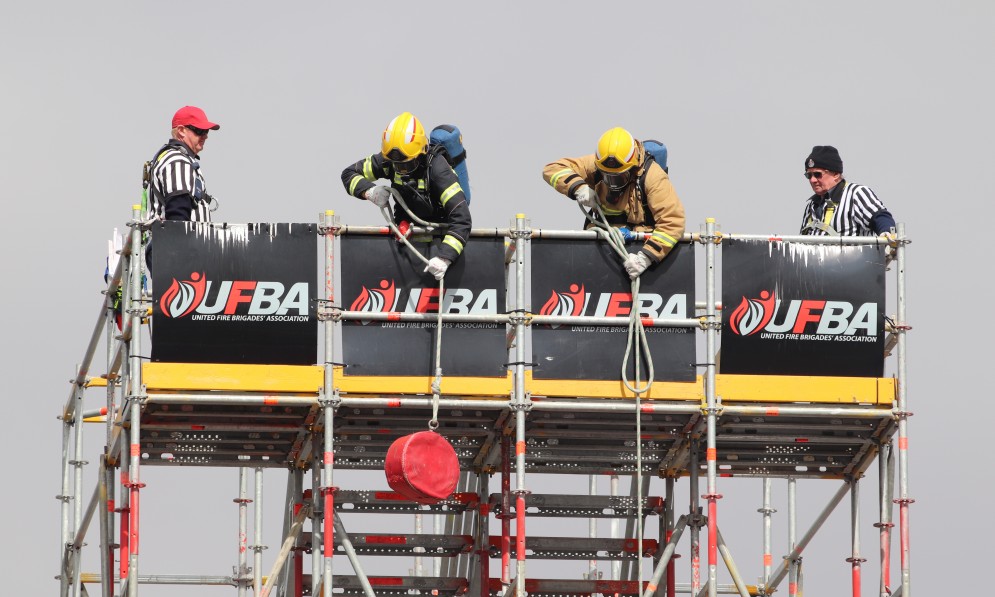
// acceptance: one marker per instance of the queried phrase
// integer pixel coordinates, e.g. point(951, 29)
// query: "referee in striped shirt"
point(177, 184)
point(174, 179)
point(838, 207)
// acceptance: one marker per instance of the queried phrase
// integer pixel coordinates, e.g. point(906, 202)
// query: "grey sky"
point(739, 91)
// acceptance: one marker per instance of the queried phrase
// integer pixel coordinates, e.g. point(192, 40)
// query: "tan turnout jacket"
point(667, 212)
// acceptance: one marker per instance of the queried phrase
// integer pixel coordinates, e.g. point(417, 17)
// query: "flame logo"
point(752, 315)
point(376, 300)
point(565, 303)
point(181, 298)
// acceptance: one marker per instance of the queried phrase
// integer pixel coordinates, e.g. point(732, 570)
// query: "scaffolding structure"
point(316, 419)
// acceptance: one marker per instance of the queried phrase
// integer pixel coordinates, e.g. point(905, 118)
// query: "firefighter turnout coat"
point(432, 192)
point(647, 204)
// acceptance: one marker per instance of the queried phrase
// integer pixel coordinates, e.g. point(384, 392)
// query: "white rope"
point(433, 423)
point(636, 336)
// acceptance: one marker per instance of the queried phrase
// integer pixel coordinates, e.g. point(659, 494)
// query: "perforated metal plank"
point(574, 506)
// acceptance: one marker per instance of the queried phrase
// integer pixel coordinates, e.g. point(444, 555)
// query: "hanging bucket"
point(422, 467)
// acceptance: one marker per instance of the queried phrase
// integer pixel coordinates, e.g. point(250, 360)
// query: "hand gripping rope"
point(433, 423)
point(637, 333)
point(636, 337)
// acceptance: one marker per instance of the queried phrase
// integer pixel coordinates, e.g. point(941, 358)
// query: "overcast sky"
point(739, 91)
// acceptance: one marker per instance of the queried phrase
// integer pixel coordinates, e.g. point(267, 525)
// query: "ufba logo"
point(577, 301)
point(806, 319)
point(252, 300)
point(387, 298)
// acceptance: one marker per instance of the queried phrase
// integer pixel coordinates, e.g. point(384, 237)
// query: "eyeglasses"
point(197, 131)
point(817, 175)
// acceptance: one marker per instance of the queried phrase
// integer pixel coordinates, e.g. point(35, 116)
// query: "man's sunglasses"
point(817, 175)
point(197, 131)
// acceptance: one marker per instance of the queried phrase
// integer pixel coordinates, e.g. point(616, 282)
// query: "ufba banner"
point(795, 309)
point(380, 275)
point(573, 277)
point(234, 293)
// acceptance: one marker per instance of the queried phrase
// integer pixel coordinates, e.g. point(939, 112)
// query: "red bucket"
point(422, 467)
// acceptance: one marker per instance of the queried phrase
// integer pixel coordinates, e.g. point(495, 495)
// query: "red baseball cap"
point(193, 116)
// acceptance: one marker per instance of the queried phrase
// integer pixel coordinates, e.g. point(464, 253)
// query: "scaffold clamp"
point(335, 401)
point(524, 233)
point(327, 311)
point(520, 317)
point(525, 405)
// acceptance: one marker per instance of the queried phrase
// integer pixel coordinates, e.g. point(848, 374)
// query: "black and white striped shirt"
point(177, 185)
point(849, 210)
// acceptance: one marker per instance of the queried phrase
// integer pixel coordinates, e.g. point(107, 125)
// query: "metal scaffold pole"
point(902, 413)
point(855, 559)
point(124, 509)
point(106, 505)
point(792, 533)
point(65, 497)
point(109, 486)
point(77, 463)
point(521, 403)
point(257, 532)
point(886, 476)
point(482, 540)
point(136, 393)
point(766, 511)
point(317, 515)
point(669, 528)
point(694, 518)
point(712, 496)
point(505, 511)
point(241, 571)
point(329, 404)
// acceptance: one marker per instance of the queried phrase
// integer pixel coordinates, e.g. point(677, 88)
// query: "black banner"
point(234, 293)
point(380, 275)
point(573, 277)
point(795, 309)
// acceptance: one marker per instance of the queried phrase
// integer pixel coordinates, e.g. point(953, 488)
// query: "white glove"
point(889, 250)
point(636, 264)
point(378, 195)
point(437, 266)
point(586, 197)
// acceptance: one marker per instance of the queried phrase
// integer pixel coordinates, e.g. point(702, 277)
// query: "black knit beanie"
point(825, 157)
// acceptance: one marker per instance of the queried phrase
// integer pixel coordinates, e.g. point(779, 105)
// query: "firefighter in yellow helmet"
point(426, 183)
point(633, 192)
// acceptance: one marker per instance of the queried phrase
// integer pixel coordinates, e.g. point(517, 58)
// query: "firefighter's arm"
point(567, 175)
point(358, 178)
point(446, 186)
point(668, 217)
